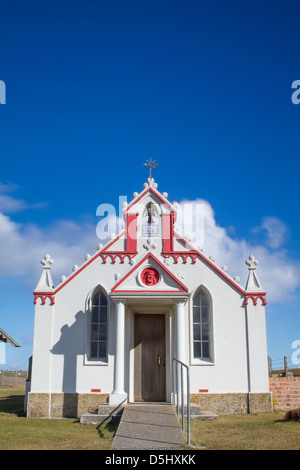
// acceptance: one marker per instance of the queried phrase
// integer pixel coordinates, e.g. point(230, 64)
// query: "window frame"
point(151, 234)
point(94, 360)
point(197, 360)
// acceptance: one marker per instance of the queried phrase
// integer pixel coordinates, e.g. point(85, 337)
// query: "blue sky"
point(94, 88)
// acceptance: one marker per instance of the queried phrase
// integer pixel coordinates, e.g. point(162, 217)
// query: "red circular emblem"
point(150, 276)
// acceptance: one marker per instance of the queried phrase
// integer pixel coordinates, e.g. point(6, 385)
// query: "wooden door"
point(149, 358)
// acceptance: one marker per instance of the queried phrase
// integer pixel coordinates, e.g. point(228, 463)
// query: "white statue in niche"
point(150, 222)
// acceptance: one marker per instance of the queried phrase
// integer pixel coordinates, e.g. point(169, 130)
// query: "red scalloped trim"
point(255, 297)
point(43, 297)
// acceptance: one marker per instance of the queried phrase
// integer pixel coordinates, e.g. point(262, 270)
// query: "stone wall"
point(73, 405)
point(63, 405)
point(285, 392)
point(233, 403)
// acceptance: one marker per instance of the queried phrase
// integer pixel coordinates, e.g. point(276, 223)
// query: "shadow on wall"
point(70, 345)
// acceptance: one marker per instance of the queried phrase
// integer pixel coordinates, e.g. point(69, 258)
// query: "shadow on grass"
point(107, 430)
point(281, 421)
point(13, 404)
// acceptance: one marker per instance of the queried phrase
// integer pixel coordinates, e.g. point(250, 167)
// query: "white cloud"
point(276, 231)
point(22, 246)
point(9, 204)
point(278, 273)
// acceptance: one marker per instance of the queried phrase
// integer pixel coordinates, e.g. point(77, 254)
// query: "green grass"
point(20, 433)
point(264, 431)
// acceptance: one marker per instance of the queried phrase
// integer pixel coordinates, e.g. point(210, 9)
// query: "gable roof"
point(102, 252)
point(193, 253)
point(153, 190)
point(150, 257)
point(4, 338)
point(105, 252)
point(189, 252)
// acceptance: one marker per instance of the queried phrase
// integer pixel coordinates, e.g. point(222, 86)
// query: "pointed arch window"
point(202, 326)
point(99, 327)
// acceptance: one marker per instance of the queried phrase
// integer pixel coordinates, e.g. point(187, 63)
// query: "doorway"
point(149, 357)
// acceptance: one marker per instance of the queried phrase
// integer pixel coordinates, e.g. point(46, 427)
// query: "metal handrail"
point(176, 392)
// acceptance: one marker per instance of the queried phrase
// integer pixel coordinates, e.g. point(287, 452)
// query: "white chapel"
point(108, 333)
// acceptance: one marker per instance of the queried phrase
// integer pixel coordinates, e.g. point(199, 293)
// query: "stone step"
point(95, 418)
point(106, 414)
point(197, 413)
point(105, 408)
point(113, 414)
point(204, 415)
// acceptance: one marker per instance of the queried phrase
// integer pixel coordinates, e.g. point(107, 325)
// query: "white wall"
point(60, 359)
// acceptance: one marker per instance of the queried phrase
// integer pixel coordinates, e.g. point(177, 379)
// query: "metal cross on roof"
point(150, 164)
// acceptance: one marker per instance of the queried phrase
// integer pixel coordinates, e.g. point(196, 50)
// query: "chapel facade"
point(108, 333)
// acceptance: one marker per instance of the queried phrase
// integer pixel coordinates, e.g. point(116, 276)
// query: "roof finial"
point(150, 164)
point(251, 262)
point(253, 283)
point(45, 282)
point(47, 261)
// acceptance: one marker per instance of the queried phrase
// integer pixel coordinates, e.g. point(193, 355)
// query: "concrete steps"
point(106, 414)
point(197, 413)
point(112, 414)
point(149, 426)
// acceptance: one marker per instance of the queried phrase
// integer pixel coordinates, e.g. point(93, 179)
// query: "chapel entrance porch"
point(149, 332)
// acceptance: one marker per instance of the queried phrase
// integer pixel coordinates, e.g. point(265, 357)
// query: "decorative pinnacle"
point(150, 164)
point(251, 262)
point(47, 261)
point(45, 283)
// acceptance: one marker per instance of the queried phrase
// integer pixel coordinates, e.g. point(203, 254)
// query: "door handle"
point(158, 360)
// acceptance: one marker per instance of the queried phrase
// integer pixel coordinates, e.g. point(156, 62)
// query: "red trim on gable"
point(222, 273)
point(194, 255)
point(198, 253)
point(76, 273)
point(114, 254)
point(175, 254)
point(152, 291)
point(99, 253)
point(184, 255)
point(149, 255)
point(185, 242)
point(156, 193)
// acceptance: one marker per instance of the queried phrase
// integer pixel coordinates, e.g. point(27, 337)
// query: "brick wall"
point(285, 392)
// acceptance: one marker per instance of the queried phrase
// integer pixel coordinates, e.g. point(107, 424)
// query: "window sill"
point(201, 362)
point(95, 362)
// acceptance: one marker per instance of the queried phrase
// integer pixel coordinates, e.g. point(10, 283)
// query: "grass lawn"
point(264, 431)
point(20, 433)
